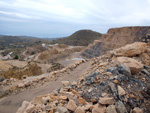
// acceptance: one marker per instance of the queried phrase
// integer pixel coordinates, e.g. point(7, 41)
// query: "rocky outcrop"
point(139, 52)
point(131, 50)
point(105, 88)
point(115, 38)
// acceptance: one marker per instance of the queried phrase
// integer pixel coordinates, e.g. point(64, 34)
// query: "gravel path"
point(11, 103)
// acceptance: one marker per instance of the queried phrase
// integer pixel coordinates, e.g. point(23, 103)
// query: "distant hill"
point(18, 42)
point(79, 38)
point(51, 39)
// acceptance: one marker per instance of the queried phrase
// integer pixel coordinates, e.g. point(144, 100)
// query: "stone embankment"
point(118, 82)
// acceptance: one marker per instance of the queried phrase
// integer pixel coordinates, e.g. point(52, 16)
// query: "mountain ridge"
point(79, 38)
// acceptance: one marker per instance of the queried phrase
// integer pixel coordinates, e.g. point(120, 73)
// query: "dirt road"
point(73, 58)
point(11, 103)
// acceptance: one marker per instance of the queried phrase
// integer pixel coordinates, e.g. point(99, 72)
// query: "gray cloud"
point(55, 18)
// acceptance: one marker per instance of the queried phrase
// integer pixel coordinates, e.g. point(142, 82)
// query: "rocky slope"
point(115, 38)
point(118, 82)
point(79, 38)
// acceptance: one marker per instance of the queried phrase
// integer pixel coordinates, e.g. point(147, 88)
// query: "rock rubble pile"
point(116, 83)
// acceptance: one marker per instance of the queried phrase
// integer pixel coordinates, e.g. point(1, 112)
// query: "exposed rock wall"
point(115, 38)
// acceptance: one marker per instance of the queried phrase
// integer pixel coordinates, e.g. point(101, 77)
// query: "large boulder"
point(131, 49)
point(133, 64)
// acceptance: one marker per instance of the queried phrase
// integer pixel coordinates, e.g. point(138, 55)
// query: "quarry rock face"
point(115, 38)
point(105, 88)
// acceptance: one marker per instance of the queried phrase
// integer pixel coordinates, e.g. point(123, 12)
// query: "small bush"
point(32, 53)
point(16, 57)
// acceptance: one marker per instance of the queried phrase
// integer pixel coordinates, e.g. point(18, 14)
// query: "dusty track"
point(11, 103)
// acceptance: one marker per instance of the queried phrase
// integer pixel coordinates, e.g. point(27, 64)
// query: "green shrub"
point(16, 57)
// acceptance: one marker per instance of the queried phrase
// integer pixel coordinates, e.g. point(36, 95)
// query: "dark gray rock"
point(2, 79)
point(102, 84)
point(132, 102)
point(120, 107)
point(94, 74)
point(122, 77)
point(124, 70)
point(148, 90)
point(113, 89)
point(147, 68)
point(86, 96)
point(89, 79)
point(113, 70)
point(93, 51)
point(145, 72)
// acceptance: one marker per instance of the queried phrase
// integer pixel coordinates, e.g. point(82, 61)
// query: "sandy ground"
point(11, 103)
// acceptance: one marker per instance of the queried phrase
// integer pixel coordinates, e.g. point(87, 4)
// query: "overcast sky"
point(58, 18)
